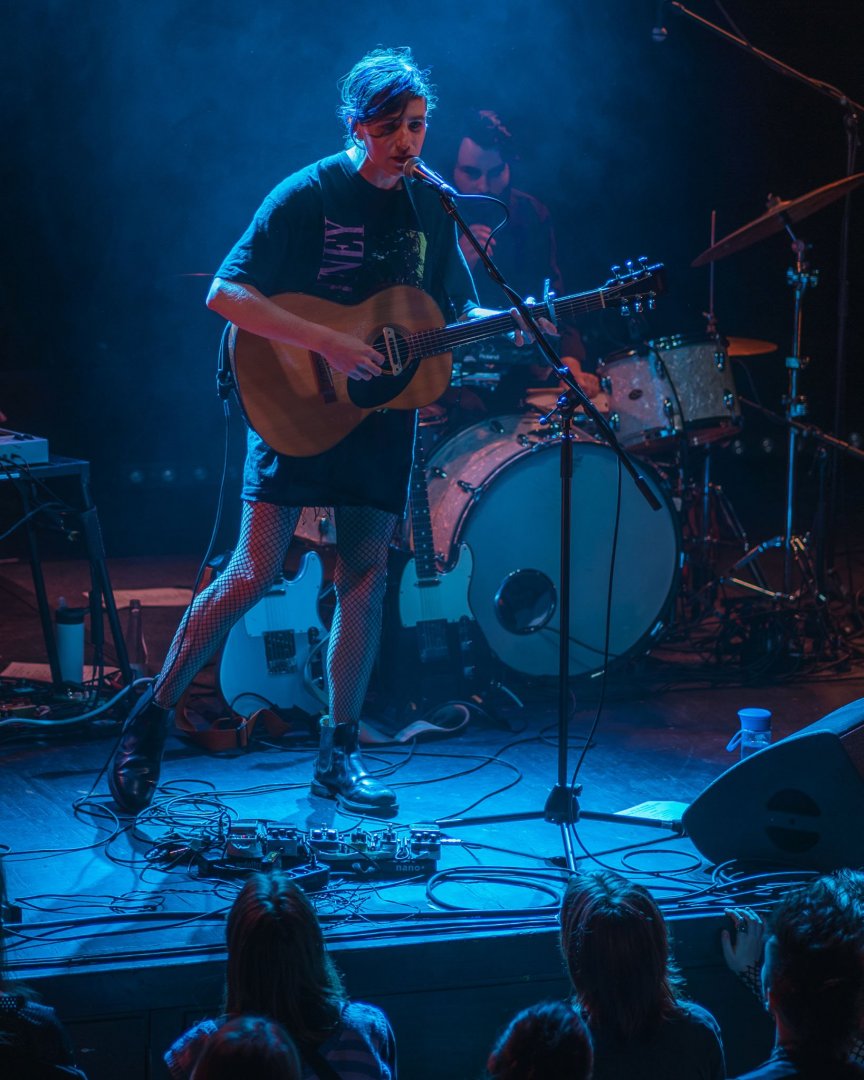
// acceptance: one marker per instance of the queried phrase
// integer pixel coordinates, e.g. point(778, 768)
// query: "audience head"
point(278, 966)
point(483, 155)
point(813, 972)
point(381, 85)
point(615, 945)
point(249, 1046)
point(543, 1041)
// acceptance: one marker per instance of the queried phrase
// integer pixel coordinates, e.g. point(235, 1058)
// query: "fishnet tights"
point(360, 577)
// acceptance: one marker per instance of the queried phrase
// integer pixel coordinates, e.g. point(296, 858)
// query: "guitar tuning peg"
point(625, 310)
point(629, 265)
point(643, 261)
point(637, 306)
point(652, 303)
point(616, 270)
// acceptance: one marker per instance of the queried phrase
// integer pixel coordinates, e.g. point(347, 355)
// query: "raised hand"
point(745, 951)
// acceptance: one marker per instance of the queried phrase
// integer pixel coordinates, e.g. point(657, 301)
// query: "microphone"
point(659, 33)
point(417, 169)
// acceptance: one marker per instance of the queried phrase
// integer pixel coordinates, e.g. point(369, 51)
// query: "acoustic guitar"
point(301, 406)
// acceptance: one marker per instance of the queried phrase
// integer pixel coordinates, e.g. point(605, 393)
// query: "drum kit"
point(493, 485)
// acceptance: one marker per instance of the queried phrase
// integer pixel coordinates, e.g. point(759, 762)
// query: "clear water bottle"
point(754, 733)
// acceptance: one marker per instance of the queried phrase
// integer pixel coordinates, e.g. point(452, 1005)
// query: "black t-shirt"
point(328, 232)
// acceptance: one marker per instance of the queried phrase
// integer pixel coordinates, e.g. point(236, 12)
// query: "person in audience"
point(247, 1047)
point(33, 1042)
point(616, 948)
point(545, 1041)
point(279, 968)
point(812, 978)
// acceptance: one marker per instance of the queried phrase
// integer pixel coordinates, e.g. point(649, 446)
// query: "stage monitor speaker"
point(797, 803)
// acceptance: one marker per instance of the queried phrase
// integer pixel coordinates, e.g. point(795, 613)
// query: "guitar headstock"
point(635, 286)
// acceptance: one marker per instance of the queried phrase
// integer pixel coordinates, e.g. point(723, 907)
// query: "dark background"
point(141, 137)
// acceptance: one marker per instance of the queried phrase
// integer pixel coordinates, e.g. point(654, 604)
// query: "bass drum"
point(495, 486)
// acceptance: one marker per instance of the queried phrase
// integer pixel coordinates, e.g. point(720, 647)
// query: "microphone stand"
point(851, 111)
point(562, 805)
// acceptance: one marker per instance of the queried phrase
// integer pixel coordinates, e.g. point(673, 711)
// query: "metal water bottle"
point(69, 623)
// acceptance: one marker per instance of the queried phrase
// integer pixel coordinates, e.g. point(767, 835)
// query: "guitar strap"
point(225, 381)
point(232, 732)
point(446, 720)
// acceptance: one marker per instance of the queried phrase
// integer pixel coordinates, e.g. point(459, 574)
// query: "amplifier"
point(19, 449)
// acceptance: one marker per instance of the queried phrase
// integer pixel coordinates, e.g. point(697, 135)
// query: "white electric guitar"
point(267, 655)
point(428, 599)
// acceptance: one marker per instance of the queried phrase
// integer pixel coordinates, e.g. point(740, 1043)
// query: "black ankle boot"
point(340, 773)
point(134, 772)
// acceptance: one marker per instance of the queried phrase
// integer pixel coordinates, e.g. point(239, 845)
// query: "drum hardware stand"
point(795, 548)
point(851, 110)
point(712, 499)
point(562, 805)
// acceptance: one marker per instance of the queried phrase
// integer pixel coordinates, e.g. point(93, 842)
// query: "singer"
point(340, 229)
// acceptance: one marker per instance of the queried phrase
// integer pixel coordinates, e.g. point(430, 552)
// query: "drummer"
point(524, 250)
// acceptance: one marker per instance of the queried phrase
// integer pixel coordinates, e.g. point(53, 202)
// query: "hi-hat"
point(781, 213)
point(745, 346)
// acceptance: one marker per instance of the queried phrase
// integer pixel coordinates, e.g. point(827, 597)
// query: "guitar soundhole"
point(373, 393)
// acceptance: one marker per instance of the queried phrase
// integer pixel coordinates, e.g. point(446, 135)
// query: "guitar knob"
point(438, 472)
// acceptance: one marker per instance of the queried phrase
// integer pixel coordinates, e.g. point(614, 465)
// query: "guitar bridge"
point(280, 652)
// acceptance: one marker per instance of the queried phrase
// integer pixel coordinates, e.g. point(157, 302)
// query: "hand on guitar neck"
point(251, 310)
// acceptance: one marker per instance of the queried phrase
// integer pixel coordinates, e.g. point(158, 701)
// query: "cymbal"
point(783, 212)
point(745, 346)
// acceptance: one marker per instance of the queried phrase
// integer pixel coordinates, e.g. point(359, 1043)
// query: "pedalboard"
point(314, 855)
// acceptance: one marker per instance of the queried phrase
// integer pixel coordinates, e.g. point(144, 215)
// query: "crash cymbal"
point(746, 346)
point(781, 213)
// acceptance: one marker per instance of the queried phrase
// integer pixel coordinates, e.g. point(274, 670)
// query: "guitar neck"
point(421, 520)
point(614, 294)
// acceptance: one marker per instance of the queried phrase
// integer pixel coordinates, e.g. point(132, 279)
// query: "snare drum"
point(678, 386)
point(495, 486)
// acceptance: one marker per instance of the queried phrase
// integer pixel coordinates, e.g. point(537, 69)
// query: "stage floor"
point(125, 936)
